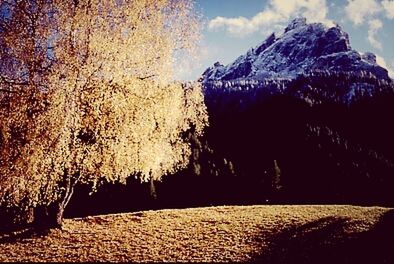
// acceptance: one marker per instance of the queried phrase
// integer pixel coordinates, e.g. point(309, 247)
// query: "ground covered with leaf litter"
point(268, 234)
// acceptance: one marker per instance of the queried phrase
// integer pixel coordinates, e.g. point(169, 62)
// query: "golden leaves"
point(139, 128)
point(98, 100)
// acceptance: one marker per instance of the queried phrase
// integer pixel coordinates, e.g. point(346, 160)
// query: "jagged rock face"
point(302, 48)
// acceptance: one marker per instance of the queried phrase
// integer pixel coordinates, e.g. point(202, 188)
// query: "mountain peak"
point(296, 22)
point(303, 47)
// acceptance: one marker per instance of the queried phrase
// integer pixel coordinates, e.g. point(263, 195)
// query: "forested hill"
point(328, 133)
point(305, 118)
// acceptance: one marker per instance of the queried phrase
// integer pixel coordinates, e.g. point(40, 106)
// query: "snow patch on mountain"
point(302, 48)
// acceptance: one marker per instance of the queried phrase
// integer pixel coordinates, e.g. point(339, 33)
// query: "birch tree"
point(87, 96)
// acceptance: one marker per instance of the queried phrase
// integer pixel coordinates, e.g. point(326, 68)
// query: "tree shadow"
point(21, 233)
point(326, 241)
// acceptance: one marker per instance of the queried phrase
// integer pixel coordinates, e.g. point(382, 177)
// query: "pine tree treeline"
point(329, 132)
point(314, 87)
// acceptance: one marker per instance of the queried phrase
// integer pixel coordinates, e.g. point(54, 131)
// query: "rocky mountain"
point(304, 118)
point(309, 61)
point(302, 48)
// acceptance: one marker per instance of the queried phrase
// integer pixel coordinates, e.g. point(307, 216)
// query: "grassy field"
point(267, 234)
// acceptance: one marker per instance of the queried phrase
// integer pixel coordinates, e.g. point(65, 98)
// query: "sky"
point(231, 27)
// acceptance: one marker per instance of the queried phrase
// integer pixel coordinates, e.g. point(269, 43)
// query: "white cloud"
point(186, 69)
point(236, 26)
point(388, 6)
point(358, 10)
point(277, 11)
point(374, 25)
point(380, 61)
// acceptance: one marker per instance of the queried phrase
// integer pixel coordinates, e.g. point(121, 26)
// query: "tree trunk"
point(152, 190)
point(47, 217)
point(153, 202)
point(51, 216)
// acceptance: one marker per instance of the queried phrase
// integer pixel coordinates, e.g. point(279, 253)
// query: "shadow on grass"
point(326, 241)
point(22, 233)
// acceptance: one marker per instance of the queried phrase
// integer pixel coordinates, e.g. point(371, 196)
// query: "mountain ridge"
point(303, 47)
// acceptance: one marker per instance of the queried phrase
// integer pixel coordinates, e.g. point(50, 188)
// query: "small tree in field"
point(86, 97)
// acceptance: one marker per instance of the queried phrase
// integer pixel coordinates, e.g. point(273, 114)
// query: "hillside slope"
point(276, 234)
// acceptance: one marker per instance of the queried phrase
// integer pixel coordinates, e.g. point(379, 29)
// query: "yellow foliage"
point(86, 94)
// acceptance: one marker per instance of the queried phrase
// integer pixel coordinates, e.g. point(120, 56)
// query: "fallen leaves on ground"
point(212, 234)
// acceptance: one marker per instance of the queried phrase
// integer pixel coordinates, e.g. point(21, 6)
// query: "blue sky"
point(231, 27)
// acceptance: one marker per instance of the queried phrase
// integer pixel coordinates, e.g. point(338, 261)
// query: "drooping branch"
point(146, 77)
point(105, 70)
point(11, 82)
point(89, 78)
point(7, 91)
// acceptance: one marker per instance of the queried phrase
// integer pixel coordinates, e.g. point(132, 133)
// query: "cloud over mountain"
point(374, 25)
point(276, 12)
point(360, 10)
point(368, 11)
point(388, 6)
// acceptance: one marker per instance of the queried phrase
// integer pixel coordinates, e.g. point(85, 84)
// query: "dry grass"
point(273, 234)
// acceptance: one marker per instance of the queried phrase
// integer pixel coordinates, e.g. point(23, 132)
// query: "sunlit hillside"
point(269, 234)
